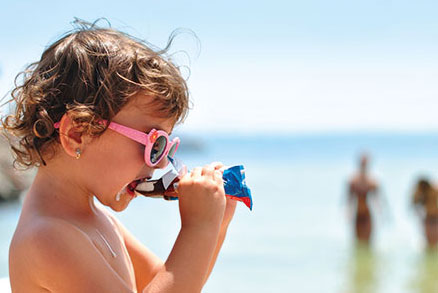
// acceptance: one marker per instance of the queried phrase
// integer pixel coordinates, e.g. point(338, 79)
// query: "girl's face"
point(113, 161)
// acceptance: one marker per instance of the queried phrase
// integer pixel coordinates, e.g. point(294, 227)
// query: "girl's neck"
point(61, 191)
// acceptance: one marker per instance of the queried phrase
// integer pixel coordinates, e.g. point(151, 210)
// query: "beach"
point(298, 237)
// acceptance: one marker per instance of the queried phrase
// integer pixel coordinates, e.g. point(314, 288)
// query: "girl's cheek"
point(141, 152)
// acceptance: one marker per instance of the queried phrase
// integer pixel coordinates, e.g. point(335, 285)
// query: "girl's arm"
point(147, 265)
point(228, 216)
point(202, 206)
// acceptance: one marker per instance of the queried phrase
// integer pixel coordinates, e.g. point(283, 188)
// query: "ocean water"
point(298, 238)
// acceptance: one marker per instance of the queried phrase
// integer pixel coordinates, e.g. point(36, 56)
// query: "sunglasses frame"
point(146, 139)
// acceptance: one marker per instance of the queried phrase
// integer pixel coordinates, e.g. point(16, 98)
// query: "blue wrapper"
point(233, 177)
point(235, 185)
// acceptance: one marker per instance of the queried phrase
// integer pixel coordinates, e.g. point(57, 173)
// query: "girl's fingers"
point(214, 171)
point(218, 176)
point(218, 171)
point(218, 166)
point(196, 172)
point(208, 171)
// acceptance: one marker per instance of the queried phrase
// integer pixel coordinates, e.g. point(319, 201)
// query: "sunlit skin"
point(59, 244)
point(361, 186)
point(426, 200)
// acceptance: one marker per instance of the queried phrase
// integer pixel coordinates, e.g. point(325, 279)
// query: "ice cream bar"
point(166, 186)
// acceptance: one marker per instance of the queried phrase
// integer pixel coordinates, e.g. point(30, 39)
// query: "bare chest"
point(109, 242)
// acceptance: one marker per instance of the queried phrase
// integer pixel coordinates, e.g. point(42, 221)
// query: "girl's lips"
point(131, 186)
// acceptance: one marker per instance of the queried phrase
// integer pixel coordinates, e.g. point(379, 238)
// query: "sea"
point(299, 236)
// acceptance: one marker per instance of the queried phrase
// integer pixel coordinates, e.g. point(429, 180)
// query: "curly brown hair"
point(90, 73)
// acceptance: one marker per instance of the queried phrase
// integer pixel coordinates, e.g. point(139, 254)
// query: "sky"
point(274, 66)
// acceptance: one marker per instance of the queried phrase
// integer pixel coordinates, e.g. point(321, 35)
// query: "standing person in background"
point(361, 186)
point(426, 202)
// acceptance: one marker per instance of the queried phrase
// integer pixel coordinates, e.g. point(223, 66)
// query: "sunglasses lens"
point(172, 150)
point(158, 149)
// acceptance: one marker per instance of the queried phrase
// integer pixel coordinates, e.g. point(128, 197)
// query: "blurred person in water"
point(360, 188)
point(425, 200)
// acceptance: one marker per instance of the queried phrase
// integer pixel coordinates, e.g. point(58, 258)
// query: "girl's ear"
point(71, 137)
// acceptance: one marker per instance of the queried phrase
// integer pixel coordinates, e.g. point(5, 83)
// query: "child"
point(82, 115)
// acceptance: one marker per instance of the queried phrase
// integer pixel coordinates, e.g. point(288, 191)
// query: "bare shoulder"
point(54, 254)
point(352, 182)
point(43, 243)
point(354, 179)
point(373, 184)
point(33, 250)
point(42, 237)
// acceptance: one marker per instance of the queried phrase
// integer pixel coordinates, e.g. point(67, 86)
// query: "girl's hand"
point(202, 199)
point(230, 207)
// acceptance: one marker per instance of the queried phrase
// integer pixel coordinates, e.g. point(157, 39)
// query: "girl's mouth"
point(131, 188)
point(133, 185)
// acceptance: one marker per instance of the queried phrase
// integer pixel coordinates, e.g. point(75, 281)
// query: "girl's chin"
point(122, 200)
point(118, 207)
